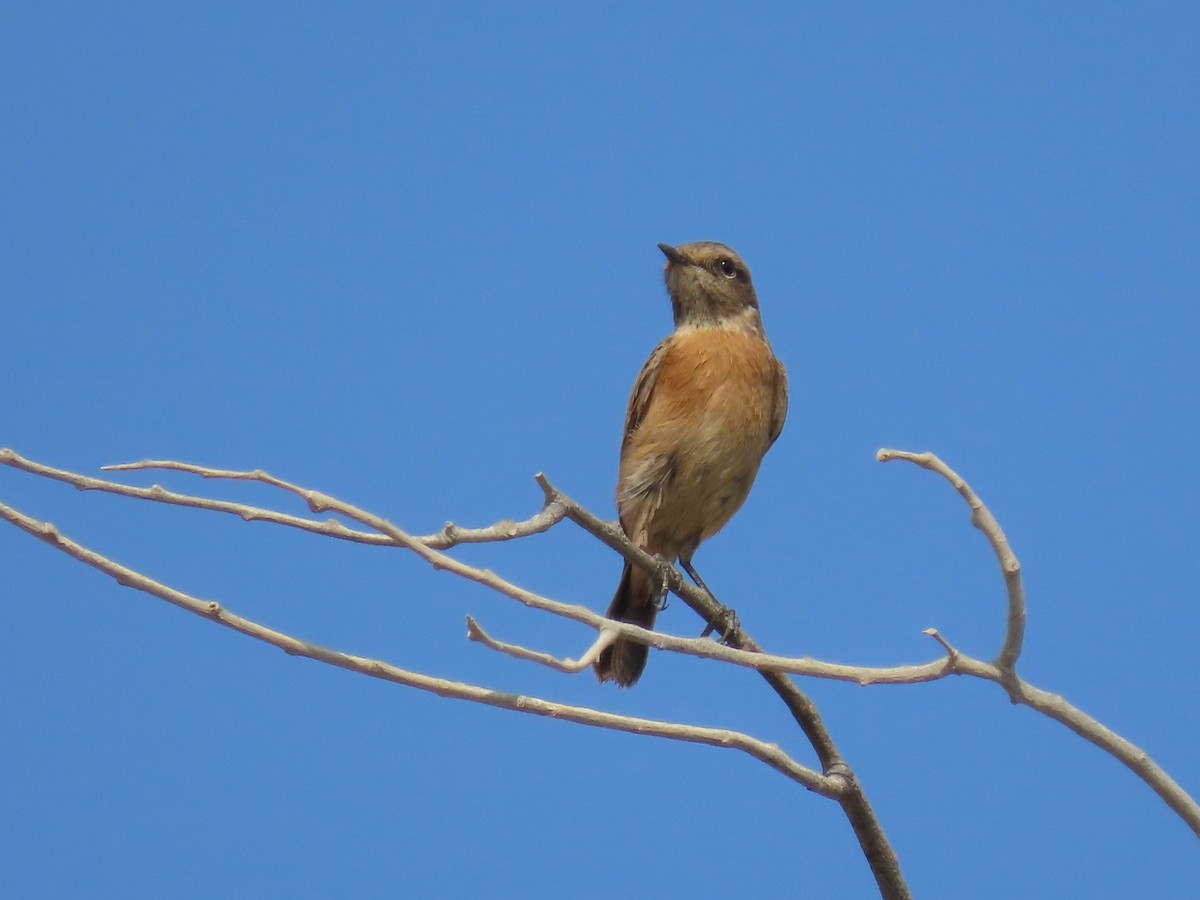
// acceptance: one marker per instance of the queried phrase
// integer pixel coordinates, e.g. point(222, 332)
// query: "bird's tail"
point(636, 601)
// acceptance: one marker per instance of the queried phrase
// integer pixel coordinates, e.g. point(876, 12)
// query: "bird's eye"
point(728, 269)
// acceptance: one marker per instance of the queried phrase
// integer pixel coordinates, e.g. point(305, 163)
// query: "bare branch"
point(1003, 669)
point(951, 653)
point(982, 518)
point(742, 650)
point(452, 535)
point(878, 851)
point(768, 753)
point(571, 666)
point(1135, 758)
point(690, 646)
point(707, 649)
point(449, 536)
point(391, 534)
point(749, 657)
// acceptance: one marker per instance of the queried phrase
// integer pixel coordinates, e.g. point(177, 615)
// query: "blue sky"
point(406, 255)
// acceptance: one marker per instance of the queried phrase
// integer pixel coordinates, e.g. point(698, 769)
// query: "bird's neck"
point(745, 320)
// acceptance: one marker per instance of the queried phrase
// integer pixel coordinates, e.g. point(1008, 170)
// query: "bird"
point(705, 408)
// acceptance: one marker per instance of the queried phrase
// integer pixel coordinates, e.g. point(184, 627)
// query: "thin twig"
point(450, 535)
point(750, 659)
point(604, 639)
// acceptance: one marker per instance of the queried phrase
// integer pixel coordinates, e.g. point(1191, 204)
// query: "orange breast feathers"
point(723, 377)
point(717, 403)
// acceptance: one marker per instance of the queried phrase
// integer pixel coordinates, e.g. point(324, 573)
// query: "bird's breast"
point(690, 463)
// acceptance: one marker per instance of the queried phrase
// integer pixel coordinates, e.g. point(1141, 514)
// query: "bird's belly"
point(711, 472)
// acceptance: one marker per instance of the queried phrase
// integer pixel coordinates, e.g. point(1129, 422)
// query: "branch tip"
point(937, 636)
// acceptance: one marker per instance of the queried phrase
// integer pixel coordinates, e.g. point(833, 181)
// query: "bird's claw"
point(726, 622)
point(664, 595)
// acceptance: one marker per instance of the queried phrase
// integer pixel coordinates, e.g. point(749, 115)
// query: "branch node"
point(316, 501)
point(840, 775)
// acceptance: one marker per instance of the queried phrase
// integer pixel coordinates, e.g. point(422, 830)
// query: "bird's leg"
point(686, 562)
point(724, 621)
point(662, 601)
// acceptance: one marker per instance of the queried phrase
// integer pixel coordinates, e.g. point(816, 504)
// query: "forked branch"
point(835, 781)
point(768, 753)
point(1003, 669)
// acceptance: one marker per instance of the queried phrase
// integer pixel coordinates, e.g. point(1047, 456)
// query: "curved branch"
point(764, 752)
point(570, 666)
point(982, 518)
point(1003, 669)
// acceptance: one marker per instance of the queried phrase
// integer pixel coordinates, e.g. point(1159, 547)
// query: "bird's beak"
point(673, 255)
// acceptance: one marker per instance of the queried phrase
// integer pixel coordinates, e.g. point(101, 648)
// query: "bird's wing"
point(779, 410)
point(640, 486)
point(643, 389)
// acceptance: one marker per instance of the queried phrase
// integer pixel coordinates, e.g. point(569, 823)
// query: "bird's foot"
point(726, 622)
point(662, 601)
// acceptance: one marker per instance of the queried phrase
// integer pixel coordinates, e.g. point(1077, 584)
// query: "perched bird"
point(707, 405)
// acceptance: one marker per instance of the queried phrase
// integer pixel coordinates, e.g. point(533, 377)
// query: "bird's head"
point(710, 287)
